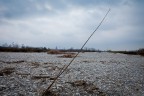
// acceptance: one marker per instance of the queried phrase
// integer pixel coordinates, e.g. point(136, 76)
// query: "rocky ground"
point(91, 74)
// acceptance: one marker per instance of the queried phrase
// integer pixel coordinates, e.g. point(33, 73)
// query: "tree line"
point(14, 47)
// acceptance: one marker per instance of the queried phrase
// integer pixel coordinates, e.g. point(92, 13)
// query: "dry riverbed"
point(91, 74)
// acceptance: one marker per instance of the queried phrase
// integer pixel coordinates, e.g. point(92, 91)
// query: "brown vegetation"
point(78, 83)
point(50, 93)
point(67, 56)
point(54, 52)
point(141, 52)
point(89, 87)
point(35, 64)
point(21, 61)
point(39, 77)
point(6, 71)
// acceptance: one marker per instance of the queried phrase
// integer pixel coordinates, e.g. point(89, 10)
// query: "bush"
point(54, 52)
point(141, 52)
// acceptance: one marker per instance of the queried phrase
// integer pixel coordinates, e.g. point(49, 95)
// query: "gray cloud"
point(22, 8)
point(68, 23)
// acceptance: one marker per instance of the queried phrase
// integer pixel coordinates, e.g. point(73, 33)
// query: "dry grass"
point(78, 83)
point(39, 77)
point(50, 93)
point(26, 74)
point(68, 55)
point(103, 62)
point(88, 87)
point(6, 71)
point(43, 77)
point(35, 64)
point(54, 52)
point(21, 61)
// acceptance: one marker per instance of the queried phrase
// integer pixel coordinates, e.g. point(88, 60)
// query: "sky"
point(68, 23)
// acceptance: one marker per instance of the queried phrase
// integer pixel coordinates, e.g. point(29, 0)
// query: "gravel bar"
point(91, 74)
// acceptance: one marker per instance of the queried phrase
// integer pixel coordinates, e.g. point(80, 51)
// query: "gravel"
point(91, 74)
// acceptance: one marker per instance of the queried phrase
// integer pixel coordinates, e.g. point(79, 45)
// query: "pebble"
point(113, 74)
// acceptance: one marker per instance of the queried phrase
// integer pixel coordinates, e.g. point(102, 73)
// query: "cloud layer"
point(68, 23)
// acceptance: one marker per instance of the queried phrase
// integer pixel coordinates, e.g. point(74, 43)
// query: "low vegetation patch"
point(35, 64)
point(69, 55)
point(40, 77)
point(55, 52)
point(8, 62)
point(78, 83)
point(6, 71)
point(50, 93)
point(88, 87)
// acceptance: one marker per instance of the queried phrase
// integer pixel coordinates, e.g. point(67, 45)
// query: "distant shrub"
point(6, 71)
point(54, 52)
point(141, 52)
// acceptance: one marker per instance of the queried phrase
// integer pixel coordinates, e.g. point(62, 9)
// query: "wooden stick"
point(64, 68)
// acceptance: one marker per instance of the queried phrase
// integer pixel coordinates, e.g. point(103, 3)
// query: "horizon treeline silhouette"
point(14, 47)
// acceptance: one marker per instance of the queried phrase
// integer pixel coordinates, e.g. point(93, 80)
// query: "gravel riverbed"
point(91, 74)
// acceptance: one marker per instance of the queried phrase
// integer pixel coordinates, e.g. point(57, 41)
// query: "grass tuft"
point(6, 71)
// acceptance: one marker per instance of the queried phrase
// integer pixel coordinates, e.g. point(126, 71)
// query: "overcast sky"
point(68, 23)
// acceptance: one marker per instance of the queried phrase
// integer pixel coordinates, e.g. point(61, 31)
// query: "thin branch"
point(65, 67)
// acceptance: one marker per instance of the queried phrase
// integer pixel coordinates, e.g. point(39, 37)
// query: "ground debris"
point(2, 87)
point(78, 83)
point(6, 71)
point(55, 52)
point(91, 88)
point(50, 93)
point(68, 55)
point(88, 87)
point(35, 64)
point(22, 73)
point(11, 62)
point(39, 77)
